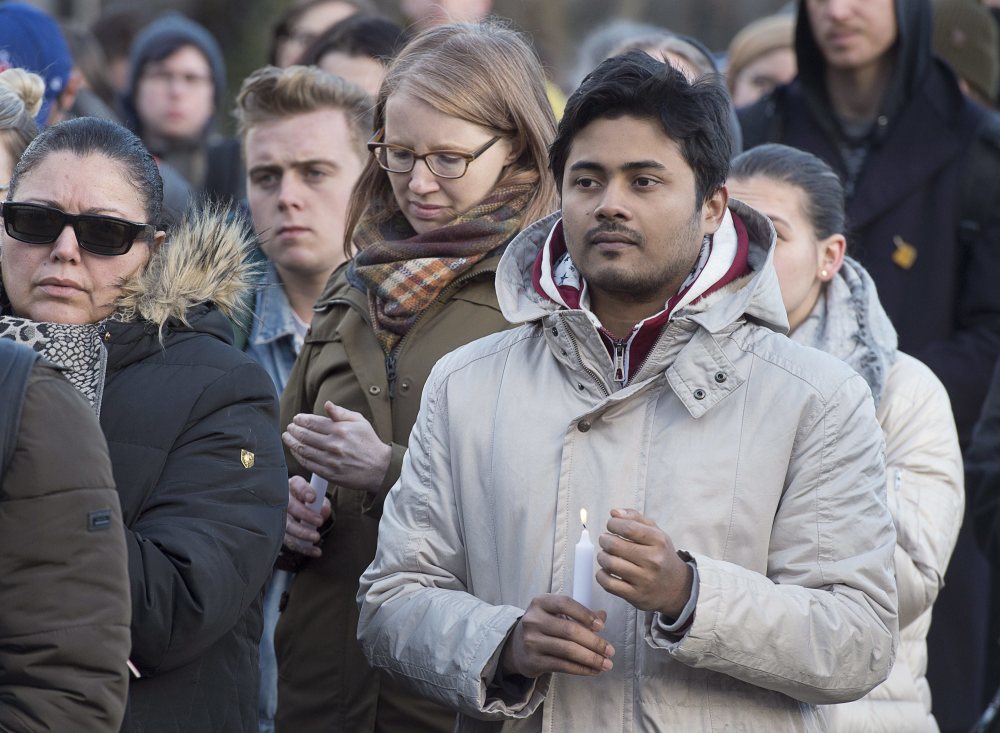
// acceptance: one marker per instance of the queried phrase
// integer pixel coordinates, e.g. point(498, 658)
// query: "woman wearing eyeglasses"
point(458, 167)
point(140, 326)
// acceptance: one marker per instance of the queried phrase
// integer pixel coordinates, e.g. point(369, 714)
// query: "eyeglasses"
point(164, 78)
point(442, 163)
point(95, 233)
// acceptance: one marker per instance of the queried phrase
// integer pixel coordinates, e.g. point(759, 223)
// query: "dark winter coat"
point(192, 428)
point(946, 307)
point(64, 596)
point(324, 681)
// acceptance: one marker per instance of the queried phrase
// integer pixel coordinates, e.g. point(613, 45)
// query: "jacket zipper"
point(576, 350)
point(620, 346)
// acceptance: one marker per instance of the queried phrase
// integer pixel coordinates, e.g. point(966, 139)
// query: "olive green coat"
point(324, 681)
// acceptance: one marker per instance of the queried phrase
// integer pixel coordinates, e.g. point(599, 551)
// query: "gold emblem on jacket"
point(905, 254)
point(247, 458)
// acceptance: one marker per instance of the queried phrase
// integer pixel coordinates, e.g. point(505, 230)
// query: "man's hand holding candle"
point(638, 562)
point(557, 634)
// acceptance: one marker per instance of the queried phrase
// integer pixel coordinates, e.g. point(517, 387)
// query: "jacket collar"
point(273, 315)
point(757, 297)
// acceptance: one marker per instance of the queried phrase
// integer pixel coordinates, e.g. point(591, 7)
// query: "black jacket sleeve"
point(204, 544)
point(982, 474)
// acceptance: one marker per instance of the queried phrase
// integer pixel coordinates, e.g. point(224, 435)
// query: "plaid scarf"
point(405, 272)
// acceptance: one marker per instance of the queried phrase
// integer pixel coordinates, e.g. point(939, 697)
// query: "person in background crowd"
point(304, 22)
point(869, 92)
point(358, 49)
point(424, 14)
point(736, 587)
point(920, 167)
point(31, 40)
point(691, 57)
point(457, 169)
point(304, 134)
point(177, 83)
point(95, 96)
point(966, 36)
point(140, 327)
point(761, 57)
point(599, 44)
point(64, 601)
point(115, 29)
point(833, 305)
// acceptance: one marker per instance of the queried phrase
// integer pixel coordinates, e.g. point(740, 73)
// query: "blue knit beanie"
point(31, 40)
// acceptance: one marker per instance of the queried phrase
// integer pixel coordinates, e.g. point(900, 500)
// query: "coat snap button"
point(583, 426)
point(699, 394)
point(374, 389)
point(404, 386)
point(720, 377)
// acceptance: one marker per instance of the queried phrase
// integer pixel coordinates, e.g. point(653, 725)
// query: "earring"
point(824, 273)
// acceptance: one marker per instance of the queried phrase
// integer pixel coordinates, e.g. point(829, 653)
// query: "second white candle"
point(583, 565)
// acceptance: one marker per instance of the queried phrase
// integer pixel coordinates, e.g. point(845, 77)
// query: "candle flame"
point(583, 517)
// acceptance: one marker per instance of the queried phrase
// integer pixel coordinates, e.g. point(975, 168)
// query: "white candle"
point(583, 565)
point(319, 485)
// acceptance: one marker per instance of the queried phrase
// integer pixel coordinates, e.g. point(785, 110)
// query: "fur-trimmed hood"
point(206, 259)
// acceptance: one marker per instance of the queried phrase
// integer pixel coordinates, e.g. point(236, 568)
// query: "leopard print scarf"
point(77, 349)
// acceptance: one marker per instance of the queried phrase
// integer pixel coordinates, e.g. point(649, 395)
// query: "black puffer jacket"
point(192, 427)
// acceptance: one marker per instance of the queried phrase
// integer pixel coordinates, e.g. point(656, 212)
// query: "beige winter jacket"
point(926, 493)
point(761, 458)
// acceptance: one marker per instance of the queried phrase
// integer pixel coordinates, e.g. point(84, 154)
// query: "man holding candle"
point(745, 573)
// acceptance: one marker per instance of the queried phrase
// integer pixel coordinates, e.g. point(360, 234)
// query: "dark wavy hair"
point(694, 115)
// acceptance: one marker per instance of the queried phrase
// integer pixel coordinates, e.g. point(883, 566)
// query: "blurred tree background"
point(243, 27)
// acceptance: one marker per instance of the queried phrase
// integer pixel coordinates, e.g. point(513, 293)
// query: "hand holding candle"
point(583, 566)
point(305, 514)
point(640, 564)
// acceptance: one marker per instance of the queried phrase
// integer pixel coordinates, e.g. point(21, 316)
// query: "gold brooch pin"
point(905, 254)
point(247, 458)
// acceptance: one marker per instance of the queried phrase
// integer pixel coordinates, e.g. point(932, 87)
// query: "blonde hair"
point(273, 94)
point(483, 73)
point(21, 94)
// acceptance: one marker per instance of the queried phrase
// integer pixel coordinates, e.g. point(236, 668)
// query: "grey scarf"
point(77, 349)
point(848, 321)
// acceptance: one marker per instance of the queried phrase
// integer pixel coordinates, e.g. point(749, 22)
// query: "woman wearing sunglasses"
point(140, 326)
point(458, 166)
point(833, 306)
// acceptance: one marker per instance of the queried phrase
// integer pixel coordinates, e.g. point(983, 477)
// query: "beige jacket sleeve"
point(820, 626)
point(925, 483)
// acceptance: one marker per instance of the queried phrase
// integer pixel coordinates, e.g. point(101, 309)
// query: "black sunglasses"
point(95, 233)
